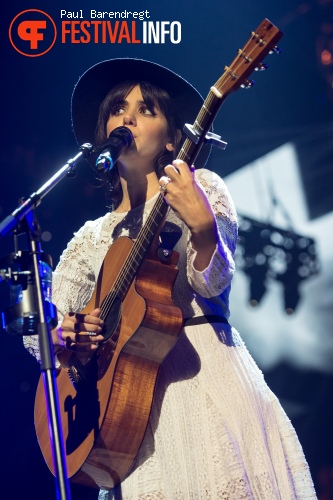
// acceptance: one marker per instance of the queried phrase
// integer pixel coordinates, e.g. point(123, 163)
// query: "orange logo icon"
point(32, 33)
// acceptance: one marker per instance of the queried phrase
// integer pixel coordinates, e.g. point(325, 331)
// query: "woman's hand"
point(79, 331)
point(188, 199)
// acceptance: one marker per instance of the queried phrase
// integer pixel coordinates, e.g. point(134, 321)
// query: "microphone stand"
point(43, 327)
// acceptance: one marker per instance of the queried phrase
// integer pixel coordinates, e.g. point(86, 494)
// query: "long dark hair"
point(152, 96)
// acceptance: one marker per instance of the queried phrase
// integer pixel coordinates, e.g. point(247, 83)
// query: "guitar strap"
point(170, 235)
point(208, 318)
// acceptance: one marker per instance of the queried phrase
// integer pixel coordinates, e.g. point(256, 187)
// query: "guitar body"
point(105, 414)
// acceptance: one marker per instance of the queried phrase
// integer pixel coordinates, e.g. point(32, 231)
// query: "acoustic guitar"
point(106, 395)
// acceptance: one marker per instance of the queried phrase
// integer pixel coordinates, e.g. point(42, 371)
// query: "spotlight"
point(266, 252)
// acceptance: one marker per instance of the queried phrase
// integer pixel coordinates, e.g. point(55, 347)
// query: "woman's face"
point(148, 126)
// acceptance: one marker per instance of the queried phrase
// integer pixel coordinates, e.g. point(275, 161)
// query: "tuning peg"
point(261, 67)
point(247, 84)
point(276, 50)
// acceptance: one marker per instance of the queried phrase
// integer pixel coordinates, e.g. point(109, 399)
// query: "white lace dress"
point(216, 431)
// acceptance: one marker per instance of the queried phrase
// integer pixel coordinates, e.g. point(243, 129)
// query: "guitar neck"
point(201, 126)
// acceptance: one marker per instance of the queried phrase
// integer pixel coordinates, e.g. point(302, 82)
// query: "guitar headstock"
point(262, 41)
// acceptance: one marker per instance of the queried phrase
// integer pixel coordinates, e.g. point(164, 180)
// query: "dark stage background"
point(291, 103)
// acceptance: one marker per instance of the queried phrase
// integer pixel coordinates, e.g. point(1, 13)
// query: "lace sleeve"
point(74, 277)
point(213, 280)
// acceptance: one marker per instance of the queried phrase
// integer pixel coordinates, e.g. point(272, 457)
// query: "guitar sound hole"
point(111, 332)
point(112, 319)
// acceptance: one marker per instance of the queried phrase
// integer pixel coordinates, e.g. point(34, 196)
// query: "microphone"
point(120, 139)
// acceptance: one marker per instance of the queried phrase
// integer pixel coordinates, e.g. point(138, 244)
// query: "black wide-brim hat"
point(97, 81)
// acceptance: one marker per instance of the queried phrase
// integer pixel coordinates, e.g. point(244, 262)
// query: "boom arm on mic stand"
point(119, 140)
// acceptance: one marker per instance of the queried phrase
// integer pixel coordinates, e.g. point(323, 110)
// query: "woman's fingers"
point(81, 331)
point(81, 343)
point(163, 182)
point(78, 322)
point(187, 198)
point(179, 168)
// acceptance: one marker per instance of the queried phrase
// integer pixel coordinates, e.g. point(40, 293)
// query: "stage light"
point(265, 252)
point(326, 57)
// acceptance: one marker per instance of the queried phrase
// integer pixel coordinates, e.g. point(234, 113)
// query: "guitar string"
point(132, 257)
